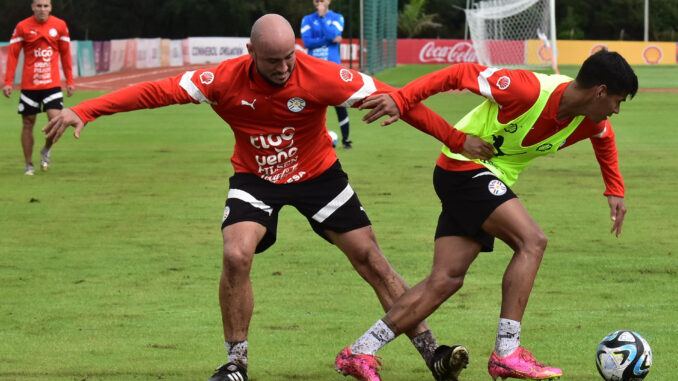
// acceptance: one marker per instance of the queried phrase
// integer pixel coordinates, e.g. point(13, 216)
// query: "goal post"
point(514, 33)
point(378, 35)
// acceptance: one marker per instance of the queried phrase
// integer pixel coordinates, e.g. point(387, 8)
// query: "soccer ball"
point(623, 356)
point(335, 138)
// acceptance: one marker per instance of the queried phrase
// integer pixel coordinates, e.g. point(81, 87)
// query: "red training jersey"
point(41, 42)
point(279, 131)
point(516, 91)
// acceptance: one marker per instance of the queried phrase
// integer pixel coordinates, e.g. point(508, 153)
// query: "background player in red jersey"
point(42, 37)
point(525, 115)
point(275, 101)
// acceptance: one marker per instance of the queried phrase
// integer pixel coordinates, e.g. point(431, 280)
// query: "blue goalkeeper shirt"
point(318, 33)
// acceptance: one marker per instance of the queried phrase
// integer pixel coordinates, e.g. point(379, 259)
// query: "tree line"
point(114, 19)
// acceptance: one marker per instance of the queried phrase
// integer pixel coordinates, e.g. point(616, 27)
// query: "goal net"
point(378, 34)
point(518, 33)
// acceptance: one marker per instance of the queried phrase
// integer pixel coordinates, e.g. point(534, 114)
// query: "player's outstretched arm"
point(380, 105)
point(66, 118)
point(617, 213)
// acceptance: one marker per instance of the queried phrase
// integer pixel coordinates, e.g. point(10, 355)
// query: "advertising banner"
point(102, 56)
point(148, 53)
point(635, 52)
point(130, 54)
point(164, 52)
point(176, 53)
point(86, 59)
point(202, 50)
point(424, 51)
point(118, 48)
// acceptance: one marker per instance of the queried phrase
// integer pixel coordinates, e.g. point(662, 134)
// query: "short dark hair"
point(609, 69)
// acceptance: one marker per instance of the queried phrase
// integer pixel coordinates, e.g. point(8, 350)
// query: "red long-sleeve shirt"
point(41, 42)
point(516, 91)
point(280, 132)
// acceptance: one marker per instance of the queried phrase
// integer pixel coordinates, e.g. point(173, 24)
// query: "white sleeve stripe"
point(484, 84)
point(368, 89)
point(64, 38)
point(305, 28)
point(18, 39)
point(333, 205)
point(192, 89)
point(338, 26)
point(601, 134)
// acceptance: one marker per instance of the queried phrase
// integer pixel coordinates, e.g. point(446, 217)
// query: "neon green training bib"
point(510, 156)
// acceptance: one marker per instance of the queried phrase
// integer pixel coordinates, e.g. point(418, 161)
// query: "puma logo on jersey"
point(246, 103)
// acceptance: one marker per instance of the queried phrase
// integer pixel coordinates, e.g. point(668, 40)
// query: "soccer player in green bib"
point(525, 115)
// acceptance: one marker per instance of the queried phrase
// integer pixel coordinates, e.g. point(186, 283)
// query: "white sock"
point(508, 337)
point(373, 340)
point(237, 352)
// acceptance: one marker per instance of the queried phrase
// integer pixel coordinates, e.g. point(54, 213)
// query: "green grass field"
point(109, 262)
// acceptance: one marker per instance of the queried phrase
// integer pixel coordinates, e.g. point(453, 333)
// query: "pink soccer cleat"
point(362, 367)
point(521, 365)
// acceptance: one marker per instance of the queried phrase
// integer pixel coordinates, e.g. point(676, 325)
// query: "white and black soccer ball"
point(335, 138)
point(623, 356)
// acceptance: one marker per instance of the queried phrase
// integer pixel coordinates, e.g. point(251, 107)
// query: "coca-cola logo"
point(459, 52)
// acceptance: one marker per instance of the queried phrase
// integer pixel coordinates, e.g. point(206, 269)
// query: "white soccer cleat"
point(44, 158)
point(30, 170)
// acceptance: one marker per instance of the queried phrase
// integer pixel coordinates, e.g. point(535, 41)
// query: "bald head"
point(272, 47)
point(272, 29)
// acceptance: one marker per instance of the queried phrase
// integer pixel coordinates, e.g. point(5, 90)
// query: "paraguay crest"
point(296, 104)
point(496, 187)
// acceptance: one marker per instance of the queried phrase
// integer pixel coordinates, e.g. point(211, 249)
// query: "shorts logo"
point(207, 77)
point(53, 32)
point(346, 75)
point(227, 211)
point(503, 82)
point(21, 107)
point(296, 104)
point(497, 188)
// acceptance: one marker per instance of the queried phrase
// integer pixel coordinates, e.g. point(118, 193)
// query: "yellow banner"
point(572, 52)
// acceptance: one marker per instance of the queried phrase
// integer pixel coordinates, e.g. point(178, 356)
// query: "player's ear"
point(250, 49)
point(601, 91)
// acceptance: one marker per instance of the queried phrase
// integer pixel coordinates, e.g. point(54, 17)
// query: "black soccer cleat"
point(448, 362)
point(347, 144)
point(229, 372)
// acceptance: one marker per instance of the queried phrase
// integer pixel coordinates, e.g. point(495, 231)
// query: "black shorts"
point(32, 102)
point(327, 201)
point(468, 198)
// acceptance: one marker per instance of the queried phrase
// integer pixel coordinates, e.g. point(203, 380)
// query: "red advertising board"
point(423, 51)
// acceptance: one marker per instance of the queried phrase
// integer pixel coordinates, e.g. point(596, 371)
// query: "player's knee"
point(536, 244)
point(236, 260)
point(444, 285)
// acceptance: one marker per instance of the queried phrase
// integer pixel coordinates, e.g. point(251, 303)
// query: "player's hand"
point(69, 90)
point(56, 127)
point(380, 105)
point(477, 148)
point(617, 213)
point(7, 90)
